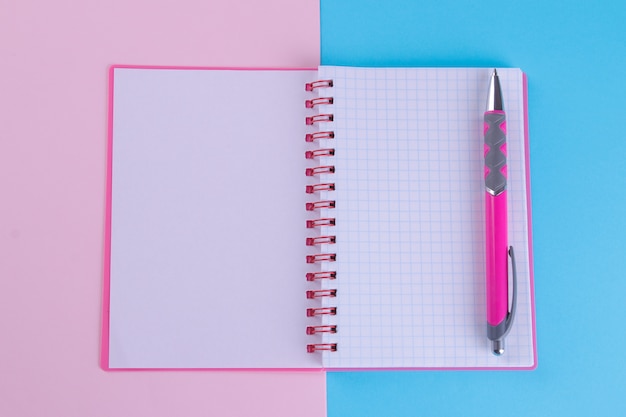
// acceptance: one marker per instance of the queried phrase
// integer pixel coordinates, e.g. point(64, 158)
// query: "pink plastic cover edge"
point(104, 357)
point(106, 290)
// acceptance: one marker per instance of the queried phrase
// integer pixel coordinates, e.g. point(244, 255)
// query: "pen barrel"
point(496, 219)
point(496, 258)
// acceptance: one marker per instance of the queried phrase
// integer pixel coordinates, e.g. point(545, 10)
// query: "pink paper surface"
point(53, 132)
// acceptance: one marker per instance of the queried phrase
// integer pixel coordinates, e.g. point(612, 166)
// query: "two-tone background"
point(53, 104)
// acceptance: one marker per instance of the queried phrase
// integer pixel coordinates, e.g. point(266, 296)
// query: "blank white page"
point(410, 218)
point(207, 219)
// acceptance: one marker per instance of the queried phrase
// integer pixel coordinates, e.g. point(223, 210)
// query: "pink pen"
point(499, 316)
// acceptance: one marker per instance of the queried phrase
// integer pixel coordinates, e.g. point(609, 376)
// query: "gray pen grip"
point(495, 158)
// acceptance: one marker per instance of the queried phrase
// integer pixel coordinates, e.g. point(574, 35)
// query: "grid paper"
point(410, 218)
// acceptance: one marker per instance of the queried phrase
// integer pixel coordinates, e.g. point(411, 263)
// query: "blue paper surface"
point(574, 53)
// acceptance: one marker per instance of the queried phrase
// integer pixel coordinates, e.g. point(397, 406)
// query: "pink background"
point(53, 131)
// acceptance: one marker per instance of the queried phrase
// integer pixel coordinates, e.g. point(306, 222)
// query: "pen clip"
point(511, 315)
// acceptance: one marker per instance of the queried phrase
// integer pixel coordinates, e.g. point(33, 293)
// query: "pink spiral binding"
point(310, 189)
point(318, 118)
point(318, 153)
point(309, 104)
point(317, 222)
point(314, 276)
point(328, 204)
point(320, 311)
point(318, 84)
point(332, 347)
point(321, 240)
point(321, 329)
point(321, 257)
point(321, 293)
point(328, 169)
point(310, 137)
point(327, 221)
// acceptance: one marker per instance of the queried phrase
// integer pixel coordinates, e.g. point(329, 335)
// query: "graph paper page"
point(410, 218)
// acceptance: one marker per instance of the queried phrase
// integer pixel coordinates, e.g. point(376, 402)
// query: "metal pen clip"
point(498, 345)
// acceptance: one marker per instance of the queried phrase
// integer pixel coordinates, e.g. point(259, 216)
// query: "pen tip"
point(494, 99)
point(497, 347)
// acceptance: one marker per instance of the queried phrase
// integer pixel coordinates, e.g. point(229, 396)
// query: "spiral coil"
point(318, 222)
point(321, 329)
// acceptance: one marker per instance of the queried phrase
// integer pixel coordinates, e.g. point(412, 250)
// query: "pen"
point(499, 316)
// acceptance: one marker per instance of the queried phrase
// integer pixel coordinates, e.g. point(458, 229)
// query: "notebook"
point(328, 218)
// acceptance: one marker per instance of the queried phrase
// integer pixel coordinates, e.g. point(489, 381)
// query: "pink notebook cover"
point(277, 155)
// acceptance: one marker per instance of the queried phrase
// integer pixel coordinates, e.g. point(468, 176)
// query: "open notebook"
point(239, 236)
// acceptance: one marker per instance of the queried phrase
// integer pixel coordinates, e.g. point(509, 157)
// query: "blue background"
point(574, 53)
